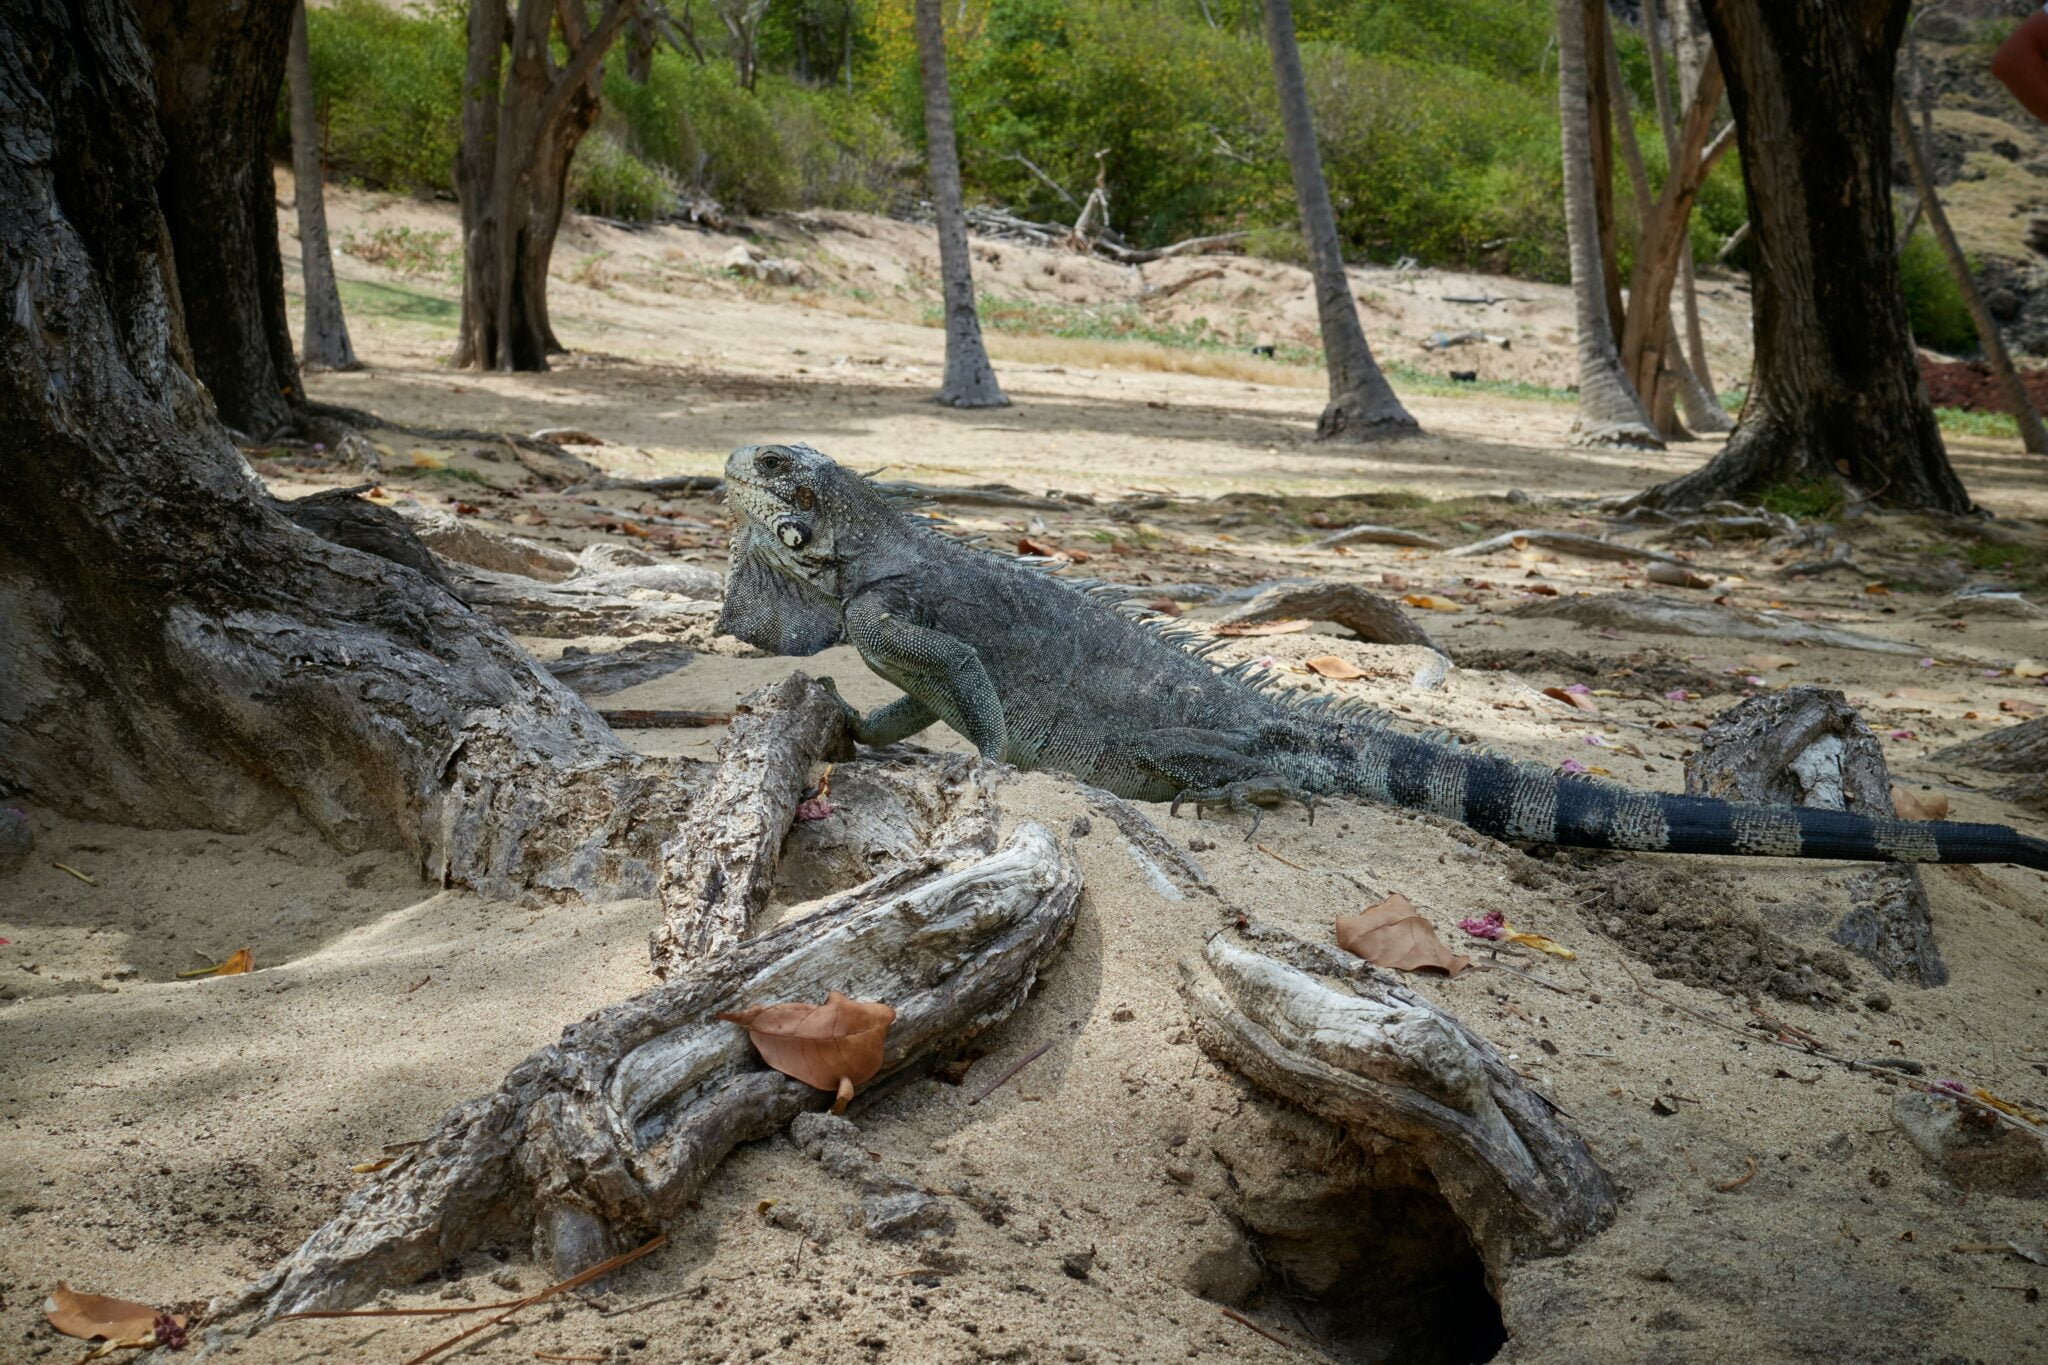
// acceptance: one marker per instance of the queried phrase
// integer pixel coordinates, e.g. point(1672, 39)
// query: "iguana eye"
point(806, 499)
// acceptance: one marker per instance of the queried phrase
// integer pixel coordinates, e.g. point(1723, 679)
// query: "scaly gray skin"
point(1043, 673)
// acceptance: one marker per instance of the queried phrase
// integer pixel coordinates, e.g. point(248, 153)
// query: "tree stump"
point(1380, 1061)
point(593, 1142)
point(1807, 746)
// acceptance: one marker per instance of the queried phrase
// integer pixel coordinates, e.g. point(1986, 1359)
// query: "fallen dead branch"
point(999, 1082)
point(1564, 542)
point(1379, 535)
point(980, 494)
point(601, 1137)
point(1659, 615)
point(1361, 611)
point(615, 590)
point(1386, 1062)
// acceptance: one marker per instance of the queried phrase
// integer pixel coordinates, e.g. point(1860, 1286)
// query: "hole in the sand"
point(1391, 1277)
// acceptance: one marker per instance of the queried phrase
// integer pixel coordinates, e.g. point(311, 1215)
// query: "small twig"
point(1526, 976)
point(1730, 1186)
point(543, 1355)
point(1271, 854)
point(419, 983)
point(598, 1271)
point(997, 1083)
point(67, 867)
point(404, 1312)
point(1243, 1321)
point(644, 1304)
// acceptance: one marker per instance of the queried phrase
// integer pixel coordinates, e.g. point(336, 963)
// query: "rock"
point(793, 1219)
point(749, 262)
point(1972, 1148)
point(899, 1217)
point(17, 840)
point(1076, 1265)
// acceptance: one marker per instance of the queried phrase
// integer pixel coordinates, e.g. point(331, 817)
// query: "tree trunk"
point(2032, 436)
point(175, 650)
point(1609, 411)
point(1600, 141)
point(217, 73)
point(1362, 404)
point(1703, 410)
point(970, 380)
point(324, 342)
point(1837, 397)
point(523, 116)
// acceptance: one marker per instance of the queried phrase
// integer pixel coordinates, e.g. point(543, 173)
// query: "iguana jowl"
point(1042, 673)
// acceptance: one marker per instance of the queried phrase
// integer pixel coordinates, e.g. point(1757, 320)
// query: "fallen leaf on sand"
point(2027, 668)
point(1392, 934)
point(1330, 666)
point(833, 1046)
point(1582, 700)
point(89, 1316)
point(1427, 603)
point(2012, 706)
point(1676, 575)
point(1028, 546)
point(1264, 628)
point(1764, 663)
point(1912, 805)
point(371, 1167)
point(239, 961)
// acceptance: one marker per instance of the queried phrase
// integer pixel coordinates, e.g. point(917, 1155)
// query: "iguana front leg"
point(900, 719)
point(942, 676)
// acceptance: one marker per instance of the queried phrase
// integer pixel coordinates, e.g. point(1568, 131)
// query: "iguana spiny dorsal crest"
point(1043, 673)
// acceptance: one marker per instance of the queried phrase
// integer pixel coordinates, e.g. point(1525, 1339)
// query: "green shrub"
point(607, 179)
point(1941, 320)
point(408, 251)
point(389, 83)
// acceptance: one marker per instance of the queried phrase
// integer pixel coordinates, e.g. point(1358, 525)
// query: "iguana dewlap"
point(1044, 673)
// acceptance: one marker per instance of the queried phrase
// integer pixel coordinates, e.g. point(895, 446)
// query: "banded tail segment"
point(1522, 801)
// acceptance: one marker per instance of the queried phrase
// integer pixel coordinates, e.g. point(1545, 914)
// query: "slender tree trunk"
point(174, 650)
point(970, 380)
point(1838, 393)
point(218, 71)
point(324, 340)
point(2017, 400)
point(1837, 397)
point(1609, 411)
point(1362, 404)
point(1703, 410)
point(523, 116)
point(1600, 134)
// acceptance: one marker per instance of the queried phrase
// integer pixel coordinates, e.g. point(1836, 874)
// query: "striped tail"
point(1526, 802)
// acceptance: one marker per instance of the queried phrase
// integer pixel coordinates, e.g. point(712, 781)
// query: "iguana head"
point(796, 514)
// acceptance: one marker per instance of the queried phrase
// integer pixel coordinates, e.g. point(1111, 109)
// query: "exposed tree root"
point(1359, 610)
point(1661, 615)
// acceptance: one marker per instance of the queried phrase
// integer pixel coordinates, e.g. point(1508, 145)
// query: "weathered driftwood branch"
point(2021, 749)
point(1380, 1061)
point(1378, 535)
point(1359, 610)
point(1659, 615)
point(719, 868)
point(1564, 542)
point(614, 591)
point(1807, 746)
point(980, 494)
point(591, 1143)
point(633, 663)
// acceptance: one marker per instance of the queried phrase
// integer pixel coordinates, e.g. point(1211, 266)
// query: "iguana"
point(1043, 673)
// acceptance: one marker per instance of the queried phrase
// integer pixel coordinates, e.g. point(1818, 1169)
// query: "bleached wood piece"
point(1659, 615)
point(1564, 542)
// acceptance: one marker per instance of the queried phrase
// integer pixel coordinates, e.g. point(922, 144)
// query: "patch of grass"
point(452, 473)
point(592, 271)
point(412, 252)
point(395, 301)
point(1150, 355)
point(1964, 422)
point(2026, 563)
point(1804, 500)
point(1412, 380)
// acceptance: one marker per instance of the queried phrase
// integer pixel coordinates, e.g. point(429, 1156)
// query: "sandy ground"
point(167, 1139)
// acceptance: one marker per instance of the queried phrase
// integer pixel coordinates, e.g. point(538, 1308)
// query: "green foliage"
point(390, 84)
point(1941, 320)
point(409, 251)
point(1970, 422)
point(607, 179)
point(1809, 500)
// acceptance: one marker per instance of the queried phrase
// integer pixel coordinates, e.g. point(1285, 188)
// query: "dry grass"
point(1101, 354)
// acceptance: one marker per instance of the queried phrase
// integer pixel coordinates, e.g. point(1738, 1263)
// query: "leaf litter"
point(1394, 934)
point(834, 1046)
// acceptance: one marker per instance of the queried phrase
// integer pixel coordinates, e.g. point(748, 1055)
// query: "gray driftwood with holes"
point(2021, 749)
point(590, 1144)
point(1806, 746)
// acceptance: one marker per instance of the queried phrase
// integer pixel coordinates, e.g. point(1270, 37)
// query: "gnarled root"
point(1383, 1063)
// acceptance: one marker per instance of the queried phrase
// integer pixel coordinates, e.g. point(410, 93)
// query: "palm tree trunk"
point(970, 380)
point(1362, 404)
point(2032, 436)
point(1609, 411)
point(323, 341)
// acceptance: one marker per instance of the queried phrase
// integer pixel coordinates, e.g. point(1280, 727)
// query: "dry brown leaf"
point(834, 1046)
point(1392, 934)
point(1912, 805)
point(238, 962)
point(1764, 663)
point(1581, 700)
point(1676, 575)
point(1028, 546)
point(1427, 603)
point(1877, 590)
point(1330, 666)
point(91, 1316)
point(1264, 628)
point(2013, 706)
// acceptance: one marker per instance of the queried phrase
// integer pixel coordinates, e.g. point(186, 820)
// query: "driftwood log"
point(719, 868)
point(1382, 1062)
point(593, 1142)
point(1807, 746)
point(1564, 542)
point(614, 591)
point(2021, 749)
point(1659, 615)
point(1378, 535)
point(1360, 610)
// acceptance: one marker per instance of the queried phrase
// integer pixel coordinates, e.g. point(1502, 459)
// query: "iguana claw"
point(1252, 795)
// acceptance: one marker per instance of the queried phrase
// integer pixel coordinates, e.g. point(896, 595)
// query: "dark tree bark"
point(2032, 436)
point(970, 380)
point(217, 72)
point(523, 115)
point(173, 649)
point(1362, 405)
point(1838, 397)
point(323, 341)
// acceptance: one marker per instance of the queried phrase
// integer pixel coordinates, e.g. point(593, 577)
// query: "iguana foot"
point(1252, 795)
